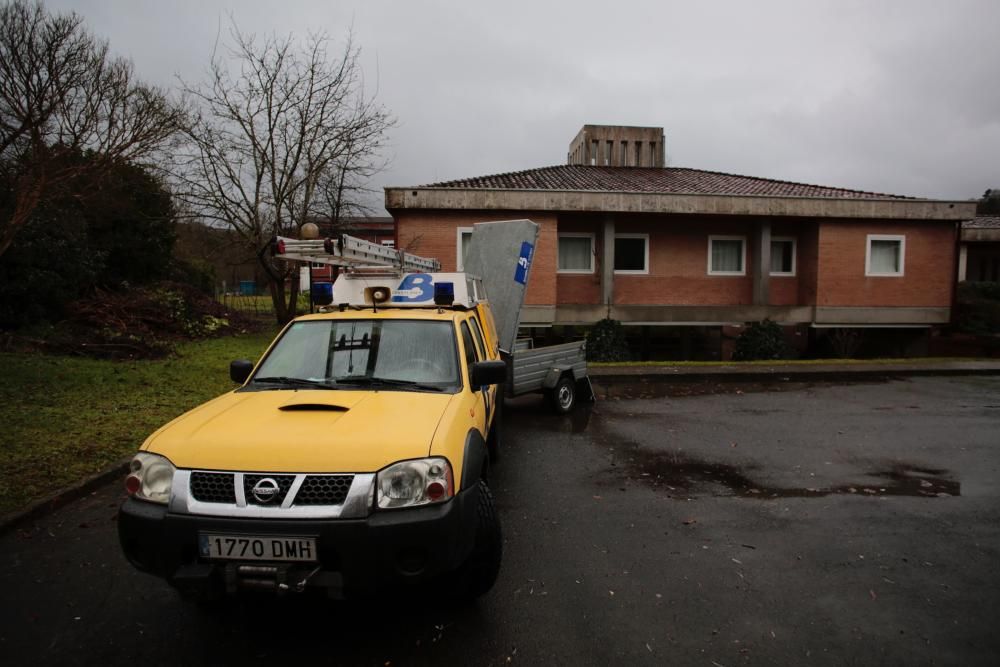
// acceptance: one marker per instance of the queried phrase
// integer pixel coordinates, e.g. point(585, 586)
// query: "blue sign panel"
point(414, 288)
point(524, 263)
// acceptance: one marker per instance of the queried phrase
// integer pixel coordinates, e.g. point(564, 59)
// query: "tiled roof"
point(983, 222)
point(654, 180)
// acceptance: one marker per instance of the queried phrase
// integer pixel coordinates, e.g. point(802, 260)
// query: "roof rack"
point(352, 253)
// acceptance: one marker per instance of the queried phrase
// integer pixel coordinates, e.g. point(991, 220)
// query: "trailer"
point(557, 371)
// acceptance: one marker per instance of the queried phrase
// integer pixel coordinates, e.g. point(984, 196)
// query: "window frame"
point(712, 238)
point(577, 235)
point(459, 259)
point(795, 252)
point(901, 239)
point(634, 272)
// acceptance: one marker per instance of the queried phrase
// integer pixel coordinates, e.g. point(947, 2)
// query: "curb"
point(63, 497)
point(784, 375)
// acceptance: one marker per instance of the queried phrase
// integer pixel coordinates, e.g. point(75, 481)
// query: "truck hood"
point(302, 431)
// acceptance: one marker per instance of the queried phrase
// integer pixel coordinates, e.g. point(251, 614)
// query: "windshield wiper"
point(368, 381)
point(295, 382)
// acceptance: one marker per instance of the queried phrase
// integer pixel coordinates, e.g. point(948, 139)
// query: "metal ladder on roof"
point(353, 254)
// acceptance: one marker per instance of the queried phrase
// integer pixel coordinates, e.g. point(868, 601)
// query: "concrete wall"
point(617, 146)
point(566, 201)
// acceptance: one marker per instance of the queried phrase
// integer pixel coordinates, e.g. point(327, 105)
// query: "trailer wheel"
point(562, 397)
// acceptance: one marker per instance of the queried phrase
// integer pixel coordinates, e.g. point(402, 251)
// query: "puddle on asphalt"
point(683, 477)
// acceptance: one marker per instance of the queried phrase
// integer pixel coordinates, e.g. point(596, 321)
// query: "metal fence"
point(257, 305)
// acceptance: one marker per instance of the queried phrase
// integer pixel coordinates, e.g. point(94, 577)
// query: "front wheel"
point(483, 565)
point(562, 397)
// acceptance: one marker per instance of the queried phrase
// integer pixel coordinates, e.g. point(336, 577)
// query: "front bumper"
point(354, 555)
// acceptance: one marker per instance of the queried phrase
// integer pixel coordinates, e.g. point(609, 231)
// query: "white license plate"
point(257, 547)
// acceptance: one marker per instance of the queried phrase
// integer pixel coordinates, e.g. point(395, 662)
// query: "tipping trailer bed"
point(501, 254)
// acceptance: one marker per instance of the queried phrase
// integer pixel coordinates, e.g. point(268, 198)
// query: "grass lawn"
point(65, 418)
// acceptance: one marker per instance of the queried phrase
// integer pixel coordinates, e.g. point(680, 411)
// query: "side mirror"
point(488, 372)
point(240, 370)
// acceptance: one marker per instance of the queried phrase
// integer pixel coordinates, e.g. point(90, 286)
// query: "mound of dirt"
point(144, 322)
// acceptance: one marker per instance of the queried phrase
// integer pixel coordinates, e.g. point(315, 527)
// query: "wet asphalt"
point(697, 524)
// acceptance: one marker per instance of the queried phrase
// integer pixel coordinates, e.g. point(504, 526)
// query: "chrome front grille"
point(213, 487)
point(323, 490)
point(293, 490)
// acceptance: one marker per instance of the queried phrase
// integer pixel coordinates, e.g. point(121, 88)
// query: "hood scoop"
point(313, 407)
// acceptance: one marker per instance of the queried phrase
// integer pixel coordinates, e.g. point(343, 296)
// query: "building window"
point(885, 255)
point(593, 152)
point(609, 156)
point(782, 256)
point(727, 255)
point(462, 246)
point(638, 153)
point(631, 253)
point(624, 153)
point(652, 154)
point(576, 253)
point(389, 243)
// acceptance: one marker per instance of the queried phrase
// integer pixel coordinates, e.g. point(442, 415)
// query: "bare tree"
point(346, 190)
point(280, 122)
point(62, 96)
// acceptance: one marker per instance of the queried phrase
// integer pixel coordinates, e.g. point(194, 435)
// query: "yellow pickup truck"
point(354, 455)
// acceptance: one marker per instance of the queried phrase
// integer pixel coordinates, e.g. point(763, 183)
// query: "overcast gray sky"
point(897, 96)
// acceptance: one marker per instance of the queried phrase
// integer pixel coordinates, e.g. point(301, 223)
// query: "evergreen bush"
point(760, 340)
point(606, 342)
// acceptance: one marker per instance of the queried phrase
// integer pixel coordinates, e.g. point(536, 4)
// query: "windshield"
point(345, 354)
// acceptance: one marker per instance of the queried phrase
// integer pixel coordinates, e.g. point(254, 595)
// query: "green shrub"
point(978, 308)
point(606, 342)
point(760, 340)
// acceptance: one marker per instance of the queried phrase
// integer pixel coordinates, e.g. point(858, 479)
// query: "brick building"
point(684, 254)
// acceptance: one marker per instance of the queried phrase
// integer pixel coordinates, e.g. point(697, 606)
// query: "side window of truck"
point(478, 335)
point(470, 348)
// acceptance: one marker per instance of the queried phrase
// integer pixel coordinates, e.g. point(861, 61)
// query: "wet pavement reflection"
point(681, 476)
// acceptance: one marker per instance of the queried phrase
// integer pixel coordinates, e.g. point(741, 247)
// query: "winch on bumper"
point(353, 555)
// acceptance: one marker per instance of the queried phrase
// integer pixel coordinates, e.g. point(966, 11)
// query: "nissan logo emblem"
point(265, 490)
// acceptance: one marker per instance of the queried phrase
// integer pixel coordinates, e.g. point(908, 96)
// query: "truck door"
point(482, 405)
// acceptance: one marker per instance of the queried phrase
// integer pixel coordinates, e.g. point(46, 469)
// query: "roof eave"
point(500, 199)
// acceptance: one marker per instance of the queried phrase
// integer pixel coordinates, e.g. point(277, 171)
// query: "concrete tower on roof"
point(617, 146)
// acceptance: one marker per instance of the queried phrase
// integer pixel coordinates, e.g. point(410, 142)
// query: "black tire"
point(562, 397)
point(483, 565)
point(494, 441)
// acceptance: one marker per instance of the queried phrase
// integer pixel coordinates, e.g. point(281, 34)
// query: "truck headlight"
point(150, 477)
point(416, 482)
